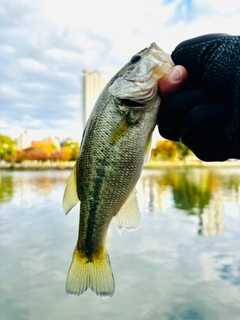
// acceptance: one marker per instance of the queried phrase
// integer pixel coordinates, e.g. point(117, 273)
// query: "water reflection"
point(24, 187)
point(6, 188)
point(164, 270)
point(198, 192)
point(228, 268)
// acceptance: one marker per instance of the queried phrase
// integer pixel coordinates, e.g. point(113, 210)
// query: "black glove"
point(205, 115)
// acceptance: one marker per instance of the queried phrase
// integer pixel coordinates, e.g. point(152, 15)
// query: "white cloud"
point(72, 100)
point(30, 64)
point(3, 124)
point(62, 54)
point(10, 92)
point(221, 7)
point(35, 85)
point(6, 49)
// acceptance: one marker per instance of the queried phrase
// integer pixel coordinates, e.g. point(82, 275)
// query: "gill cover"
point(139, 82)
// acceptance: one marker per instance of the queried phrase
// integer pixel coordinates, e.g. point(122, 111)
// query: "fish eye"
point(135, 58)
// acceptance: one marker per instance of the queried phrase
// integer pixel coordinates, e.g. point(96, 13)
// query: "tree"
point(183, 151)
point(59, 155)
point(35, 154)
point(165, 149)
point(46, 147)
point(7, 148)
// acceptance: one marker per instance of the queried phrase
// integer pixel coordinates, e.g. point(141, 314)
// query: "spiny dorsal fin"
point(129, 216)
point(70, 197)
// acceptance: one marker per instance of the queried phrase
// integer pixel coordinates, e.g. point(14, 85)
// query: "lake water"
point(182, 263)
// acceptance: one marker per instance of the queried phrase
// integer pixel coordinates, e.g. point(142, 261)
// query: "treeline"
point(66, 153)
point(164, 150)
point(39, 151)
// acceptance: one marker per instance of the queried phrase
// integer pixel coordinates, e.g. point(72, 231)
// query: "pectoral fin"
point(70, 197)
point(129, 216)
point(148, 149)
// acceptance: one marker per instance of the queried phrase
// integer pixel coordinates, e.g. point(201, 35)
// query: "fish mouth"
point(129, 103)
point(132, 103)
point(157, 53)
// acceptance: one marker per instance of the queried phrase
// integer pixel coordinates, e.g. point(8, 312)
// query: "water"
point(182, 263)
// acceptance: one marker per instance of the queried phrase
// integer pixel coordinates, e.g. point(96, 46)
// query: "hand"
point(201, 97)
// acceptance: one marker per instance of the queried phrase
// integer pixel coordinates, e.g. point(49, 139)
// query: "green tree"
point(183, 151)
point(7, 148)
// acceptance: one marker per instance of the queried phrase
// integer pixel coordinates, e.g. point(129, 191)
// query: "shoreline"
point(150, 165)
point(38, 165)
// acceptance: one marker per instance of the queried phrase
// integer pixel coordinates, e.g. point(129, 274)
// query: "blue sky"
point(45, 45)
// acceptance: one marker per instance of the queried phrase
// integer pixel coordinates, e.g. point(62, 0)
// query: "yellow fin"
point(129, 215)
point(70, 197)
point(96, 275)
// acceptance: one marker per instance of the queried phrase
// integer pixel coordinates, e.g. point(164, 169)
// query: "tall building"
point(92, 84)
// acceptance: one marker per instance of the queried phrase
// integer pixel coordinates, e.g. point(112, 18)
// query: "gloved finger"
point(211, 61)
point(173, 111)
point(203, 131)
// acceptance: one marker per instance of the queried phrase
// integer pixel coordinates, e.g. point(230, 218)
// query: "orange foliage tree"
point(165, 149)
point(48, 148)
point(44, 150)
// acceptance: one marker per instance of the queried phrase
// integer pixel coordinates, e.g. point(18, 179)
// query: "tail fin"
point(96, 275)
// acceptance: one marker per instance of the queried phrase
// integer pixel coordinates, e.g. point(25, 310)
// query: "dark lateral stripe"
point(97, 184)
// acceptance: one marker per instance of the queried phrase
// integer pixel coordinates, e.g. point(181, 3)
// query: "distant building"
point(92, 84)
point(23, 141)
point(52, 141)
point(73, 143)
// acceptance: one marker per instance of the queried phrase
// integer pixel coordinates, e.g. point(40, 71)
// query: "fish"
point(115, 144)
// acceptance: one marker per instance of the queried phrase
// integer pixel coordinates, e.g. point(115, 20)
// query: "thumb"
point(172, 81)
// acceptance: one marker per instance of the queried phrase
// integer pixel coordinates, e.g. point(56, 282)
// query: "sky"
point(45, 45)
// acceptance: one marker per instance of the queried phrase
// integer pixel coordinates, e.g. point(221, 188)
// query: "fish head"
point(136, 83)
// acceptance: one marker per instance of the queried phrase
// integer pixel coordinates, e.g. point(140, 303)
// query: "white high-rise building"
point(23, 141)
point(92, 84)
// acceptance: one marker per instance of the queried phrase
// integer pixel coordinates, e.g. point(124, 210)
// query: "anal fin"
point(129, 215)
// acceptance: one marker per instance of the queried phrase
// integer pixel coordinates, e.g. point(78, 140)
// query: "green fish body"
point(115, 144)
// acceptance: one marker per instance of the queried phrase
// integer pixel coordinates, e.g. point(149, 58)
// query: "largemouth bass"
point(115, 143)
